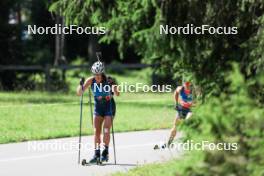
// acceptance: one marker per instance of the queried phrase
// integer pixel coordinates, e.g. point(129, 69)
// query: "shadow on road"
point(113, 164)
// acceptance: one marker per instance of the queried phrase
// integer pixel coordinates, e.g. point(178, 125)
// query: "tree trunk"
point(93, 47)
point(59, 43)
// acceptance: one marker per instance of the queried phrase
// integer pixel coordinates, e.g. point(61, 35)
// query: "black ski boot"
point(105, 155)
point(96, 158)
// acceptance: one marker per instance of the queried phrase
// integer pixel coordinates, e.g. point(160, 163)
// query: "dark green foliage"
point(236, 114)
point(232, 117)
point(136, 24)
point(10, 42)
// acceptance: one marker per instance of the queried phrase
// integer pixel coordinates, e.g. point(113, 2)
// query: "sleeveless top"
point(186, 98)
point(101, 89)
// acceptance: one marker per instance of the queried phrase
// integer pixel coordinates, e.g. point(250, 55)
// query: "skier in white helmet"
point(104, 108)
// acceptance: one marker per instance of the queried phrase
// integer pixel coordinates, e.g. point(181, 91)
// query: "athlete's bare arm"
point(86, 84)
point(116, 92)
point(176, 94)
point(112, 82)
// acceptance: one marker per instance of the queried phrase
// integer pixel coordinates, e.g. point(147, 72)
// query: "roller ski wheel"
point(157, 147)
point(84, 162)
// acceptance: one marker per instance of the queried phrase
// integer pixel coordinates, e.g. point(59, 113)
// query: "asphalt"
point(57, 157)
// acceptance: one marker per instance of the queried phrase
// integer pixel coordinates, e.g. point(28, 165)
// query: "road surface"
point(57, 157)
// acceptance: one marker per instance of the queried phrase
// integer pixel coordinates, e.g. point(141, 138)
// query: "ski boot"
point(105, 155)
point(96, 158)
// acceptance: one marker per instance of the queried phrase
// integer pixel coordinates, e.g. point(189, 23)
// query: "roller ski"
point(94, 161)
point(158, 147)
point(163, 146)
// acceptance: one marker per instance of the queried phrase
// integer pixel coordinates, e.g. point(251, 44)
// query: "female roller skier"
point(103, 89)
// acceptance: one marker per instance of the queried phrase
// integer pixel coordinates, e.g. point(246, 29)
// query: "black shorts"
point(105, 108)
point(182, 112)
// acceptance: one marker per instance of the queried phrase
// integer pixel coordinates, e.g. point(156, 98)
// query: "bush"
point(234, 117)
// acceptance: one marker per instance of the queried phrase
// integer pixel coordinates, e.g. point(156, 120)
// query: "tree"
point(10, 40)
point(136, 24)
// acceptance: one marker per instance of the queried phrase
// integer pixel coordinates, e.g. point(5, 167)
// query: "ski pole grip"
point(82, 81)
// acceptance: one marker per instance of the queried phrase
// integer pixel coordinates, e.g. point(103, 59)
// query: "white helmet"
point(97, 68)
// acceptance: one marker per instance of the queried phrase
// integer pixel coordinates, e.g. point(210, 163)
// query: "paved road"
point(59, 156)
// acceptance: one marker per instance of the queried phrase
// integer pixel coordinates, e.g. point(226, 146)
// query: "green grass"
point(173, 167)
point(129, 76)
point(40, 115)
point(27, 116)
point(232, 117)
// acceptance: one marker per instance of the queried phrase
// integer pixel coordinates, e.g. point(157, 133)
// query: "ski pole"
point(98, 55)
point(80, 132)
point(91, 108)
point(113, 136)
point(113, 133)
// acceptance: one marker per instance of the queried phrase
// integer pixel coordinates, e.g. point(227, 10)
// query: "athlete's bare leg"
point(173, 131)
point(107, 128)
point(176, 122)
point(98, 121)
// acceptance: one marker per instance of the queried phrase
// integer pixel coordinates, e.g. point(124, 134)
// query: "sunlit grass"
point(27, 116)
point(41, 115)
